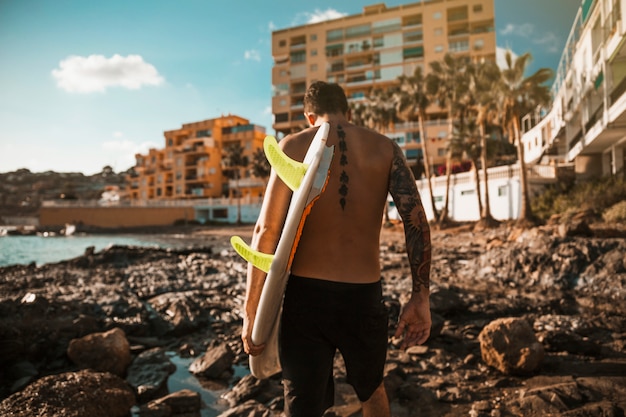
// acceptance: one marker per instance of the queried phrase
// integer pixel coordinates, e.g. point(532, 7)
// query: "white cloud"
point(272, 27)
point(252, 55)
point(550, 41)
point(96, 73)
point(524, 30)
point(317, 16)
point(122, 152)
point(322, 16)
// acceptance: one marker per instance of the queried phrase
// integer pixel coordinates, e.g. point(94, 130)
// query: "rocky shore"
point(525, 323)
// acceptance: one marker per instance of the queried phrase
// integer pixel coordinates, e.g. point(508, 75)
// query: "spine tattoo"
point(416, 229)
point(343, 161)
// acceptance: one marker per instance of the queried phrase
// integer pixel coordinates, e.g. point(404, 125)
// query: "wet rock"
point(73, 394)
point(107, 352)
point(148, 374)
point(181, 312)
point(510, 345)
point(216, 361)
point(184, 402)
point(250, 408)
point(250, 388)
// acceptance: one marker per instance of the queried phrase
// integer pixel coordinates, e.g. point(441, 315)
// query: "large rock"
point(250, 388)
point(106, 352)
point(148, 374)
point(510, 345)
point(216, 361)
point(184, 402)
point(250, 408)
point(72, 394)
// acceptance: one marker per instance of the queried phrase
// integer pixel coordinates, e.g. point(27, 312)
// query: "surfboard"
point(307, 180)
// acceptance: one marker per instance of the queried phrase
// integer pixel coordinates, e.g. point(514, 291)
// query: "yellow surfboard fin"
point(289, 170)
point(263, 261)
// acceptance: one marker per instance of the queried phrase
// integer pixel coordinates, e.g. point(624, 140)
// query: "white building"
point(586, 124)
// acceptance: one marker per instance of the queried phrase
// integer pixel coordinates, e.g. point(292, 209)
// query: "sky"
point(86, 84)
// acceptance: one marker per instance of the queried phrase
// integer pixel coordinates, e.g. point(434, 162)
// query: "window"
point(438, 48)
point(413, 36)
point(459, 46)
point(333, 35)
point(283, 73)
point(437, 15)
point(413, 20)
point(206, 133)
point(502, 190)
point(441, 151)
point(479, 44)
point(282, 102)
point(299, 56)
point(220, 213)
point(282, 43)
point(477, 8)
point(313, 67)
point(468, 192)
point(384, 26)
point(417, 52)
point(356, 31)
point(313, 52)
point(313, 37)
point(334, 50)
point(438, 31)
point(281, 89)
point(379, 42)
point(281, 117)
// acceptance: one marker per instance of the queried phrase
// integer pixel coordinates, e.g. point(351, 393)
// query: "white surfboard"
point(307, 180)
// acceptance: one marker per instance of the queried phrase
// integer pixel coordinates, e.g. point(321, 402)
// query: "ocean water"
point(41, 250)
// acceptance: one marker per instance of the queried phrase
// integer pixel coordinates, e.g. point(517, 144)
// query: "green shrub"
point(595, 195)
point(616, 213)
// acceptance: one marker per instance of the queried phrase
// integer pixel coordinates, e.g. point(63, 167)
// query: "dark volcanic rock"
point(568, 288)
point(74, 394)
point(104, 352)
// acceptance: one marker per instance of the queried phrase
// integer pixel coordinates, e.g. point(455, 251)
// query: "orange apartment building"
point(190, 166)
point(370, 50)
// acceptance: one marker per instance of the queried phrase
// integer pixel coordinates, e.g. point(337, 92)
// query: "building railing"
point(224, 201)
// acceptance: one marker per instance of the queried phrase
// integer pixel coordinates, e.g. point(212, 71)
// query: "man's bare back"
point(340, 240)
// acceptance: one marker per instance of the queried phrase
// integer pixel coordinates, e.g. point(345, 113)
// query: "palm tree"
point(233, 160)
point(467, 142)
point(381, 108)
point(521, 94)
point(261, 167)
point(413, 100)
point(447, 83)
point(484, 81)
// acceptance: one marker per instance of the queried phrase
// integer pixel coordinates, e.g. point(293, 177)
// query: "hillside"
point(22, 191)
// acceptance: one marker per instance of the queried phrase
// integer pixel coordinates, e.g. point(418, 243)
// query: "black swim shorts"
point(320, 317)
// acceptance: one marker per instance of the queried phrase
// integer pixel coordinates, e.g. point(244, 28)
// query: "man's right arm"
point(415, 321)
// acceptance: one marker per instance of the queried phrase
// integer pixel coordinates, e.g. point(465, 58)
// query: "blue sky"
point(84, 84)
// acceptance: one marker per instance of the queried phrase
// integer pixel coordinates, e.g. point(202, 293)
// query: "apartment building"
point(371, 50)
point(190, 166)
point(586, 124)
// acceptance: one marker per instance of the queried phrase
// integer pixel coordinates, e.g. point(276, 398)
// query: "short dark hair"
point(324, 98)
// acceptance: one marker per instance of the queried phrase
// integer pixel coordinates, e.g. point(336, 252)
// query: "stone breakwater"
point(525, 323)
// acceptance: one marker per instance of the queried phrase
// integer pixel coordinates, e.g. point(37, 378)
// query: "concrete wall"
point(114, 216)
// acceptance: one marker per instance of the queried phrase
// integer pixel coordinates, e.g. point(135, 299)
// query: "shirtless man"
point(333, 299)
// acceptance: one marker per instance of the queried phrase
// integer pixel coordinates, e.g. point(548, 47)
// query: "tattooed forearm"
point(416, 229)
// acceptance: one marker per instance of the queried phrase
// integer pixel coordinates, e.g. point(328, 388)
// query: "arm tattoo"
point(416, 229)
